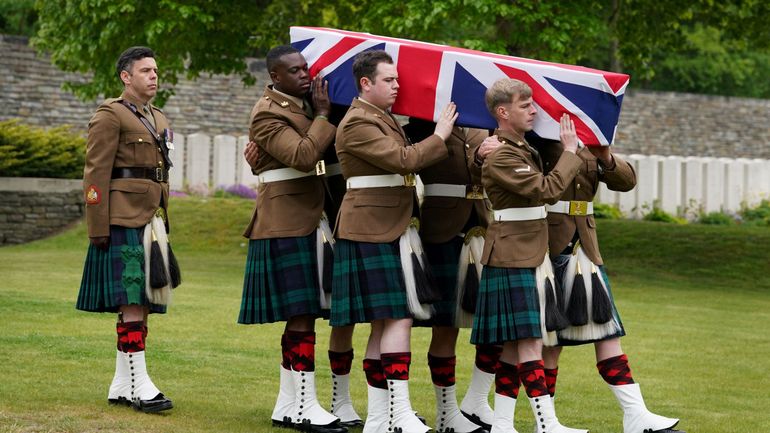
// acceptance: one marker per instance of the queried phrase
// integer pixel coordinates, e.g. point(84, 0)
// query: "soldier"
point(517, 303)
point(129, 269)
point(289, 232)
point(588, 301)
point(378, 252)
point(454, 217)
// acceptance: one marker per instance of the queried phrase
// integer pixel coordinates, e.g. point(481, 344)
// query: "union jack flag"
point(432, 75)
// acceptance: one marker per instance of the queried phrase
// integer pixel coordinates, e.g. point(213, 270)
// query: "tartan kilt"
point(367, 283)
point(444, 260)
point(281, 280)
point(508, 307)
point(559, 267)
point(115, 277)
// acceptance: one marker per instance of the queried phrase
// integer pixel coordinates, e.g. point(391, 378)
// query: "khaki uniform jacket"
point(117, 138)
point(287, 137)
point(371, 142)
point(442, 218)
point(513, 178)
point(562, 227)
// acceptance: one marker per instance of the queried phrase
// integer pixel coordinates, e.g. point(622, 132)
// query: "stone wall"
point(33, 208)
point(661, 123)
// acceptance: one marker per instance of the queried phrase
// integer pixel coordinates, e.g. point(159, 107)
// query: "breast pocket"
point(139, 150)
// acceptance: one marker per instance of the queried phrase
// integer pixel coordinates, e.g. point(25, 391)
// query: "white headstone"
point(692, 190)
point(224, 161)
point(714, 180)
point(177, 175)
point(197, 168)
point(670, 184)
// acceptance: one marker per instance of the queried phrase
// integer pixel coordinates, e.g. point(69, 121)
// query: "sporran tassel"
point(173, 269)
point(158, 278)
point(328, 264)
point(602, 306)
point(577, 309)
point(471, 293)
point(425, 292)
point(554, 319)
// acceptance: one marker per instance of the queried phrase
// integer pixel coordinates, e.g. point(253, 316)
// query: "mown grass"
point(695, 301)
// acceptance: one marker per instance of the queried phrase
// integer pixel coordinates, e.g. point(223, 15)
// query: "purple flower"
point(240, 190)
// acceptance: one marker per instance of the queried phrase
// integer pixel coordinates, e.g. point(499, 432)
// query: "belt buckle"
point(474, 192)
point(320, 168)
point(159, 174)
point(410, 180)
point(578, 207)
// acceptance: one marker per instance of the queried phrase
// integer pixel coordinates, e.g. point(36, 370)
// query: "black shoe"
point(156, 404)
point(354, 423)
point(120, 401)
point(665, 430)
point(285, 423)
point(333, 427)
point(476, 420)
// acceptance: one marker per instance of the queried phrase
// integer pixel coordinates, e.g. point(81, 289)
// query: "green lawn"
point(695, 301)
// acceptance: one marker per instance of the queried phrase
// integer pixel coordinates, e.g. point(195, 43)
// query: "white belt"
point(380, 181)
point(573, 207)
point(333, 169)
point(473, 192)
point(288, 173)
point(520, 213)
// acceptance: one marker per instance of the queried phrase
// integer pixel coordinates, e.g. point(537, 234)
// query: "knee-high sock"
point(301, 346)
point(395, 365)
point(375, 377)
point(487, 357)
point(507, 380)
point(550, 379)
point(131, 336)
point(442, 370)
point(533, 378)
point(341, 362)
point(615, 370)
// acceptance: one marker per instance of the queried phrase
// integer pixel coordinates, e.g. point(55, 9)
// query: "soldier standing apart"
point(454, 217)
point(378, 253)
point(517, 303)
point(585, 288)
point(284, 267)
point(129, 269)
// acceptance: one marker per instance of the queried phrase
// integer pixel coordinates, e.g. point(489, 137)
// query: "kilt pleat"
point(508, 308)
point(117, 276)
point(444, 259)
point(367, 283)
point(281, 280)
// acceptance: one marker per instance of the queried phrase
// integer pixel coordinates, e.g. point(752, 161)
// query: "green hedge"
point(28, 151)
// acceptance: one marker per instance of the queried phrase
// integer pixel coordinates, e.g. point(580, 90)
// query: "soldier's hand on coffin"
point(567, 134)
point(101, 242)
point(320, 94)
point(604, 155)
point(251, 153)
point(487, 146)
point(446, 121)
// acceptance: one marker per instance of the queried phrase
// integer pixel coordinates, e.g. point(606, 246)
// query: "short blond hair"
point(503, 91)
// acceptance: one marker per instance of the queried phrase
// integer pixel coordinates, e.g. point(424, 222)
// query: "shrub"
point(716, 218)
point(607, 211)
point(238, 190)
point(658, 214)
point(27, 151)
point(759, 215)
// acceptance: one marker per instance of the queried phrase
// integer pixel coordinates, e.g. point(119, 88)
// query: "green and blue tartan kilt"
point(367, 283)
point(281, 280)
point(559, 267)
point(508, 307)
point(117, 276)
point(444, 260)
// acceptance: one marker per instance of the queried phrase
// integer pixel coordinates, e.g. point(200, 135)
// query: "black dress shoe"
point(121, 401)
point(333, 427)
point(286, 422)
point(156, 404)
point(476, 420)
point(354, 423)
point(665, 430)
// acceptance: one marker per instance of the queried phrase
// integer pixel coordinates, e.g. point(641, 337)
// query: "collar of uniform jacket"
point(380, 113)
point(281, 97)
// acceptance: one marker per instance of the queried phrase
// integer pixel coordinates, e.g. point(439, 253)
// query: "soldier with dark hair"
point(289, 231)
point(130, 268)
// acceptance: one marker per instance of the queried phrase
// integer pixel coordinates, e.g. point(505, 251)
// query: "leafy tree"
point(17, 17)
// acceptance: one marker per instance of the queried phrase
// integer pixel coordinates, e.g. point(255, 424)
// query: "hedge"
point(28, 151)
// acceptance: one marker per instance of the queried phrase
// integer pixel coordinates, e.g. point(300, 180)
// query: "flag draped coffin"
point(432, 75)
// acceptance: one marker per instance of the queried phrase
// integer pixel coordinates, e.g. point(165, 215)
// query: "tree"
point(191, 37)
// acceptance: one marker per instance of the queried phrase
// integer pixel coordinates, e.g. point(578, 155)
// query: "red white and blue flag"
point(432, 75)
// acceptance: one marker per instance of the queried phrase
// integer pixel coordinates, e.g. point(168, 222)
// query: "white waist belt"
point(473, 192)
point(380, 181)
point(520, 213)
point(573, 207)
